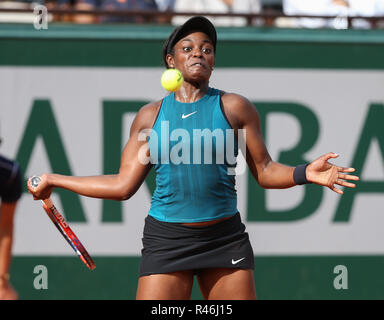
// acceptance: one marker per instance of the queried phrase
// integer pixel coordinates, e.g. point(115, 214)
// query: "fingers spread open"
point(342, 169)
point(333, 188)
point(345, 184)
point(329, 155)
point(348, 177)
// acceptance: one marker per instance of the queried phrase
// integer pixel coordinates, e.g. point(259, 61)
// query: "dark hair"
point(197, 23)
point(167, 48)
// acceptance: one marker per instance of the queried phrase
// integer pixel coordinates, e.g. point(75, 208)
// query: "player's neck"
point(189, 93)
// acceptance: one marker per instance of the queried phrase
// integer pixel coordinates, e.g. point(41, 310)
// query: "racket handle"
point(48, 203)
point(35, 181)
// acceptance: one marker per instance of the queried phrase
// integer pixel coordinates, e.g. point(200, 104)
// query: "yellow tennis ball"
point(172, 79)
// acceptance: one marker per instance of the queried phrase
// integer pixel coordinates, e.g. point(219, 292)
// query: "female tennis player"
point(193, 226)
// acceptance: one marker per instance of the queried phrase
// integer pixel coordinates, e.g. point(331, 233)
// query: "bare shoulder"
point(233, 97)
point(146, 116)
point(149, 111)
point(238, 108)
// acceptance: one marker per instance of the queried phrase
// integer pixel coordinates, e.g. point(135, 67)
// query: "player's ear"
point(170, 60)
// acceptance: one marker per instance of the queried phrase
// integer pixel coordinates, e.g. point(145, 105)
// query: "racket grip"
point(35, 181)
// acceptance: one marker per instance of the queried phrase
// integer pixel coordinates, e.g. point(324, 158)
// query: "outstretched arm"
point(270, 174)
point(120, 186)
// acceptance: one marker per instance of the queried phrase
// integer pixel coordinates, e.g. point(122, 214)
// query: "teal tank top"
point(193, 149)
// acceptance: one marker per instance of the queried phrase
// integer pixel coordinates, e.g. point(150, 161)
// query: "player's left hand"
point(326, 174)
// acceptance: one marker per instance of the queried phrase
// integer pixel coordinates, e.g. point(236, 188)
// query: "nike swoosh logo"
point(183, 116)
point(237, 261)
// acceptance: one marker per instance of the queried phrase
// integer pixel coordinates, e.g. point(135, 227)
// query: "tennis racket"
point(63, 227)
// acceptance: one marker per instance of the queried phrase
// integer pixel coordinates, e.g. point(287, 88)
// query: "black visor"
point(197, 23)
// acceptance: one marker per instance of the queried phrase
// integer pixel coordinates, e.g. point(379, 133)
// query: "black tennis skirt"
point(170, 247)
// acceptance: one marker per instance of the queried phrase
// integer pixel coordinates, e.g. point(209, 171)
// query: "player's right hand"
point(42, 191)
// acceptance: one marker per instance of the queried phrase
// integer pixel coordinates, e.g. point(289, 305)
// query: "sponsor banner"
point(76, 121)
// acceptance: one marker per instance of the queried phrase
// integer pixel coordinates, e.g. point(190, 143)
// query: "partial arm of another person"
point(7, 212)
point(120, 186)
point(271, 174)
point(9, 200)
